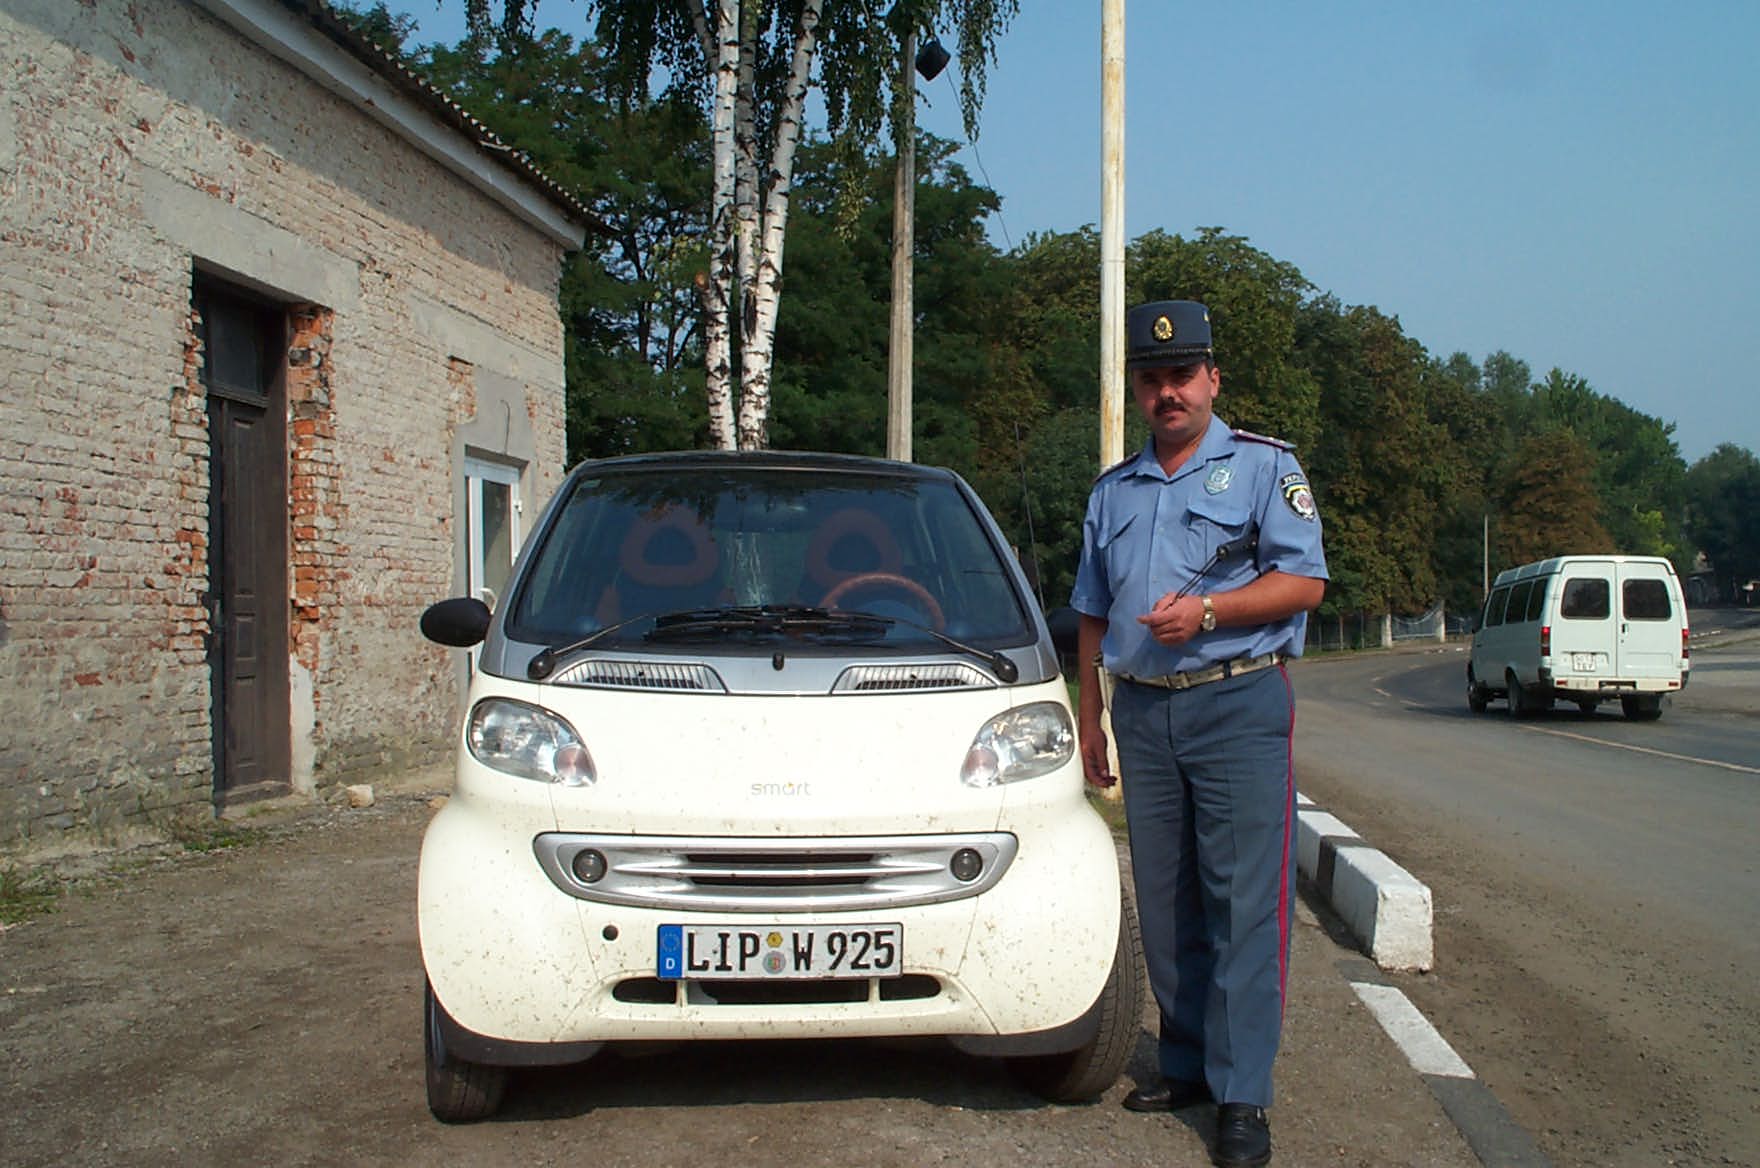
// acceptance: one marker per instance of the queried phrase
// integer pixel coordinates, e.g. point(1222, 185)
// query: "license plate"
point(791, 951)
point(1583, 662)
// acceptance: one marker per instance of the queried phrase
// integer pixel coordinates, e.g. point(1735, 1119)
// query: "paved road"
point(1597, 891)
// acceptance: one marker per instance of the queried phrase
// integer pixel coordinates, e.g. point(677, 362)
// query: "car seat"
point(850, 542)
point(668, 562)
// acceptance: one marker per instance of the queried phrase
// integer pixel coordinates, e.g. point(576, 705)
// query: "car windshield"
point(748, 556)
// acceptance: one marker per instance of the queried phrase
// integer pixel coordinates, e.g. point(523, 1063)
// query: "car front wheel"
point(458, 1091)
point(1083, 1074)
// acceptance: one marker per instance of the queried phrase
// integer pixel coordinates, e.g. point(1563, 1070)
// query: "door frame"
point(271, 737)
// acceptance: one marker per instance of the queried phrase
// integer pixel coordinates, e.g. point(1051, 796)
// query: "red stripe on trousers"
point(1283, 871)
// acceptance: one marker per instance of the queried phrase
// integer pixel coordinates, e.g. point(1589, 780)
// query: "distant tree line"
point(1418, 462)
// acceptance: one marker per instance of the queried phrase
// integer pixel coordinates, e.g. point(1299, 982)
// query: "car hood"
point(768, 765)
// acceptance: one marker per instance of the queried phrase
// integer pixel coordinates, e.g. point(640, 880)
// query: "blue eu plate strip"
point(671, 952)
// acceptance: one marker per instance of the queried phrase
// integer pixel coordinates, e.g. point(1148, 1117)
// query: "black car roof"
point(774, 459)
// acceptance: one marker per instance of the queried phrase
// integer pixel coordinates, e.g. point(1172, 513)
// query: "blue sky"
point(1575, 183)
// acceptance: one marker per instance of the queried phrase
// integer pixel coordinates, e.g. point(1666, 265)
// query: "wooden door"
point(244, 348)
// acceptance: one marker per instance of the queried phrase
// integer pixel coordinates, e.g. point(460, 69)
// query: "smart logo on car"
point(800, 790)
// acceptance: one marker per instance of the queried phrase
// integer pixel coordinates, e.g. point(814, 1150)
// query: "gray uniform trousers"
point(1209, 794)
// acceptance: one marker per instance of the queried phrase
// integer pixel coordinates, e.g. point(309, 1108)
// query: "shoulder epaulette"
point(1119, 465)
point(1249, 436)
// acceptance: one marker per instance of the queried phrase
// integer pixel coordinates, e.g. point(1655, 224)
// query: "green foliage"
point(378, 24)
point(1548, 502)
point(1723, 514)
point(1412, 457)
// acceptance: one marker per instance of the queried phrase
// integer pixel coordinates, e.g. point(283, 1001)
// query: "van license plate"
point(784, 951)
point(1583, 662)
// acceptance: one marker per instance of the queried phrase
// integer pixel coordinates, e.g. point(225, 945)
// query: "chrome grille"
point(698, 874)
point(662, 675)
point(887, 678)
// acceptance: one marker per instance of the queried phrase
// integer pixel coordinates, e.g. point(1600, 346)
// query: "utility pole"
point(1111, 289)
point(928, 64)
point(904, 214)
point(1111, 232)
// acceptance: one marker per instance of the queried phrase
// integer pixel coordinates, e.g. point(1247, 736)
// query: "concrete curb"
point(1385, 907)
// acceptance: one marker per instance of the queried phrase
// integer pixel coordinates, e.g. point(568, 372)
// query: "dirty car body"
point(767, 746)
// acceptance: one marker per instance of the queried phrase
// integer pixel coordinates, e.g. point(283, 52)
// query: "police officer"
point(1201, 559)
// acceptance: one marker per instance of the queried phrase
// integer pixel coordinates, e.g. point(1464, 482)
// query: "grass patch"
point(25, 894)
point(213, 835)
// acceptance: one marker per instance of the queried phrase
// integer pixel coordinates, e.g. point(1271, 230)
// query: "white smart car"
point(767, 745)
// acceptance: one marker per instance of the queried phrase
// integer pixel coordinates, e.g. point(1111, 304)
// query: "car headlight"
point(517, 739)
point(1024, 743)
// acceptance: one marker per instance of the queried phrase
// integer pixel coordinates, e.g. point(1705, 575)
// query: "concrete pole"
point(904, 208)
point(1111, 289)
point(1111, 232)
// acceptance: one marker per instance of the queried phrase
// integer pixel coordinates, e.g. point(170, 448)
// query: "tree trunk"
point(765, 294)
point(745, 180)
point(717, 289)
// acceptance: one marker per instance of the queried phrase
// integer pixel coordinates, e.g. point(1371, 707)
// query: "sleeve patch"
point(1300, 499)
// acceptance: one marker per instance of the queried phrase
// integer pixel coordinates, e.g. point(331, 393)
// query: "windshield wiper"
point(539, 667)
point(764, 619)
point(1006, 670)
point(794, 618)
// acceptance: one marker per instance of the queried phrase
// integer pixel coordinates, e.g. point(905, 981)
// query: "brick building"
point(280, 363)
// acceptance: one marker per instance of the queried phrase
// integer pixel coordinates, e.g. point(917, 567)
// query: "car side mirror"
point(460, 622)
point(1065, 624)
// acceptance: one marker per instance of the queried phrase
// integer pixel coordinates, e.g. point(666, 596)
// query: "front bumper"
point(517, 964)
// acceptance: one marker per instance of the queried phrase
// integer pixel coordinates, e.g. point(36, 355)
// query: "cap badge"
point(1163, 329)
point(1220, 477)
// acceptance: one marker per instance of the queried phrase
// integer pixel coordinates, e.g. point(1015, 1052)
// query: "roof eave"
point(292, 34)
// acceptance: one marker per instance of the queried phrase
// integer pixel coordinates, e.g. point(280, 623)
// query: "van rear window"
point(1645, 600)
point(1586, 598)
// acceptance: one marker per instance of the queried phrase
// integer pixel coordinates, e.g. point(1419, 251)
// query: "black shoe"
point(1167, 1095)
point(1243, 1138)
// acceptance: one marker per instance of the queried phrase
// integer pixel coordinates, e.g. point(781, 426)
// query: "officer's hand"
point(1174, 619)
point(1094, 768)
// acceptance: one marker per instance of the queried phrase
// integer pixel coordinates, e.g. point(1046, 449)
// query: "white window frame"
point(477, 472)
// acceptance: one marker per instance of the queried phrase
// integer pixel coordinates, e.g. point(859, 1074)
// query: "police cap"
point(1166, 332)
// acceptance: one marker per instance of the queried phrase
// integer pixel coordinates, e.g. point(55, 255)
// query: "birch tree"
point(754, 62)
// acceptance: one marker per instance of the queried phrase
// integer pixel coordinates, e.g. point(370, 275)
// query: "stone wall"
point(141, 144)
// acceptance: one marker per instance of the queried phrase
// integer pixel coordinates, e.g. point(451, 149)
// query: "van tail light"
point(1545, 640)
point(1684, 649)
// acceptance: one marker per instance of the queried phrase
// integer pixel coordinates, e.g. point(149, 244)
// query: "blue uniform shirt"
point(1146, 533)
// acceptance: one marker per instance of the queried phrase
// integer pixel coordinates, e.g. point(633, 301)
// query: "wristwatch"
point(1208, 624)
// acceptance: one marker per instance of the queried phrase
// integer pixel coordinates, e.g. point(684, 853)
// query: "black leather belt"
point(1207, 674)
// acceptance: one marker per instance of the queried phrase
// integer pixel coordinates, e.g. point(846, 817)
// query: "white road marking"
point(1711, 762)
point(1427, 1051)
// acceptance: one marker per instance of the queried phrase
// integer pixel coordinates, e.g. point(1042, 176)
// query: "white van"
point(1585, 629)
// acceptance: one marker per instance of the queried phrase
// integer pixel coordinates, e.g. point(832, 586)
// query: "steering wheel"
point(896, 583)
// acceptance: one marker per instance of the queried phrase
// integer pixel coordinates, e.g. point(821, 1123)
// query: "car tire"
point(1641, 708)
point(1084, 1074)
point(1519, 706)
point(1477, 695)
point(458, 1091)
